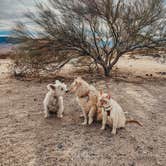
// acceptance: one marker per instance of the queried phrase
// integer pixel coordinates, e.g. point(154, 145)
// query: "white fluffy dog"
point(87, 97)
point(54, 99)
point(112, 113)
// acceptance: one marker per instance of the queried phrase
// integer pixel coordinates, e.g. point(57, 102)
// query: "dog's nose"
point(67, 91)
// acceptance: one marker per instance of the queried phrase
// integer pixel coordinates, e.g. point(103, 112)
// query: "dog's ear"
point(50, 87)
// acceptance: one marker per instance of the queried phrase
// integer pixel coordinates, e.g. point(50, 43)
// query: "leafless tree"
point(103, 30)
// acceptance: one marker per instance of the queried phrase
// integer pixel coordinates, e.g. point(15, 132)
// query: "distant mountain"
point(8, 40)
point(3, 39)
point(7, 45)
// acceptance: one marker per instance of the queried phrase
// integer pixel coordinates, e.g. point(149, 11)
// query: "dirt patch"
point(27, 139)
point(145, 67)
point(6, 68)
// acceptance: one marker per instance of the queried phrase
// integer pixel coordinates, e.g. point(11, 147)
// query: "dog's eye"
point(61, 88)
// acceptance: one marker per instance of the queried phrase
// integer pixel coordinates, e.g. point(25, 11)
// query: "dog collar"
point(107, 109)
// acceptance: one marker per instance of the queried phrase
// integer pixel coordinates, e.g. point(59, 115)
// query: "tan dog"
point(112, 113)
point(87, 97)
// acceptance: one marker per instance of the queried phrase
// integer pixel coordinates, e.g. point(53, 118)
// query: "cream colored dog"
point(54, 99)
point(87, 97)
point(112, 113)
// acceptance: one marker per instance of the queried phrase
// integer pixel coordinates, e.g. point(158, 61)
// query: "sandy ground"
point(27, 139)
point(143, 66)
point(140, 66)
point(6, 68)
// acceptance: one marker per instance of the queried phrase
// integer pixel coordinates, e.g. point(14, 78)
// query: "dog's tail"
point(134, 121)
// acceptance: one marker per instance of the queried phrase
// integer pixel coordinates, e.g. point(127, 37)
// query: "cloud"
point(12, 11)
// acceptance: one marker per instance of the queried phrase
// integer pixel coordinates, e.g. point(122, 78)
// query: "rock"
point(60, 146)
point(150, 147)
point(132, 163)
point(155, 139)
point(144, 152)
point(35, 99)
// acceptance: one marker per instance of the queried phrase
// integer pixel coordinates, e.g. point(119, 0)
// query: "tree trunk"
point(106, 71)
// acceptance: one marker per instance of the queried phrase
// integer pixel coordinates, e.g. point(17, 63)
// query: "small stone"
point(92, 154)
point(144, 152)
point(132, 163)
point(159, 163)
point(137, 147)
point(132, 136)
point(150, 147)
point(35, 99)
point(60, 146)
point(155, 139)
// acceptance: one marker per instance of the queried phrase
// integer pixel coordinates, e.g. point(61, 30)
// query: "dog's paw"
point(46, 116)
point(84, 123)
point(60, 116)
point(81, 115)
point(102, 128)
point(113, 132)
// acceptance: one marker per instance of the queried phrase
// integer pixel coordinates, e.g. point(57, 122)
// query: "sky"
point(12, 11)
